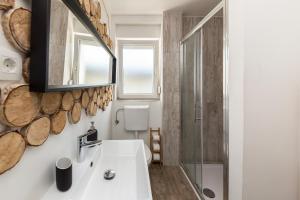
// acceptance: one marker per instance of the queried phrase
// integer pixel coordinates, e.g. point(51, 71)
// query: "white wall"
point(265, 75)
point(33, 175)
point(236, 96)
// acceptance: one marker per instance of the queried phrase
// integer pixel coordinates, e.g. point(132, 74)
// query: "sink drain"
point(109, 174)
point(209, 193)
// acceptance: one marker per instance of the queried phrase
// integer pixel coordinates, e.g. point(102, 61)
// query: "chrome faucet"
point(82, 143)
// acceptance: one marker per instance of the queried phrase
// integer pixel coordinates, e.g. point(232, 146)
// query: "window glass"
point(138, 69)
point(94, 64)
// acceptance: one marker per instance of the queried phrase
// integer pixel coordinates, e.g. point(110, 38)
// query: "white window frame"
point(155, 95)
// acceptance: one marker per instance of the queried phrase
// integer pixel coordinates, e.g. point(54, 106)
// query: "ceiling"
point(154, 7)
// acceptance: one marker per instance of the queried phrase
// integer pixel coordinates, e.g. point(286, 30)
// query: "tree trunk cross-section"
point(25, 69)
point(17, 28)
point(85, 99)
point(51, 102)
point(20, 107)
point(76, 94)
point(12, 147)
point(75, 113)
point(67, 101)
point(58, 122)
point(36, 133)
point(6, 4)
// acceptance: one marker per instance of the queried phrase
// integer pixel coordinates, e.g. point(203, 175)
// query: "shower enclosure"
point(203, 142)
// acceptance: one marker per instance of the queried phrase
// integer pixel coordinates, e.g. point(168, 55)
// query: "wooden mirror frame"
point(40, 31)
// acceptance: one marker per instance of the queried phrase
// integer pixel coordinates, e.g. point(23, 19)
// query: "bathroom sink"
point(126, 158)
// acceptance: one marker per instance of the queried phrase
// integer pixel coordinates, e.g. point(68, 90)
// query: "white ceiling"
point(154, 7)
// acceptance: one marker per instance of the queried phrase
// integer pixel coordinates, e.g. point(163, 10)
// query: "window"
point(91, 60)
point(138, 62)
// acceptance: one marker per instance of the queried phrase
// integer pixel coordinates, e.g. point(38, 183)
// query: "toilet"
point(136, 121)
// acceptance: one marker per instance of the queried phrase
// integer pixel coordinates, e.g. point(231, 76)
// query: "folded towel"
point(156, 137)
point(156, 157)
point(156, 147)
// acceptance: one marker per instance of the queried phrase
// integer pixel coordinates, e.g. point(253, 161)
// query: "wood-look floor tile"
point(169, 183)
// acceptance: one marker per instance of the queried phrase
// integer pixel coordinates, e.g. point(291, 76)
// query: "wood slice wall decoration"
point(37, 132)
point(75, 113)
point(25, 69)
point(91, 109)
point(76, 94)
point(35, 115)
point(6, 4)
point(85, 99)
point(95, 9)
point(17, 26)
point(51, 102)
point(67, 101)
point(58, 122)
point(86, 6)
point(20, 107)
point(12, 147)
point(91, 92)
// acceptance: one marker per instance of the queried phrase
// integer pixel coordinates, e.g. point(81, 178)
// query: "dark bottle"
point(94, 135)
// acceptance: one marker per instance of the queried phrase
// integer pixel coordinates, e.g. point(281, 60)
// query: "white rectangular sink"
point(126, 157)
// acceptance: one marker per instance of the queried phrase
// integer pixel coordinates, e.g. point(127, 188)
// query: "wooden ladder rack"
point(154, 141)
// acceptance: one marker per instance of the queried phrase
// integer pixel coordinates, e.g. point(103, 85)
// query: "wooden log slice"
point(95, 95)
point(17, 28)
point(25, 69)
point(91, 109)
point(36, 133)
point(98, 10)
point(76, 94)
point(102, 104)
point(12, 147)
point(67, 101)
point(94, 21)
point(20, 107)
point(98, 101)
point(85, 99)
point(105, 28)
point(80, 2)
point(75, 113)
point(6, 4)
point(95, 109)
point(102, 90)
point(95, 9)
point(86, 6)
point(91, 92)
point(98, 90)
point(51, 102)
point(58, 122)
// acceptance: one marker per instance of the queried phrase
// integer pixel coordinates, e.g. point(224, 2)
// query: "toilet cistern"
point(136, 118)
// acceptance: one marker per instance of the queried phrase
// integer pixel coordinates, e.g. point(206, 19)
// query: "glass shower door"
point(188, 124)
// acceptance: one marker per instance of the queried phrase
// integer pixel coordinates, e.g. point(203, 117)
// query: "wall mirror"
point(67, 52)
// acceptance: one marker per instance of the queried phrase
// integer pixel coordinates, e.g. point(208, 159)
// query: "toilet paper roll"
point(156, 157)
point(156, 137)
point(156, 147)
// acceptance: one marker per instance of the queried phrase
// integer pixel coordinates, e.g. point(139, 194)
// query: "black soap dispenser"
point(94, 135)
